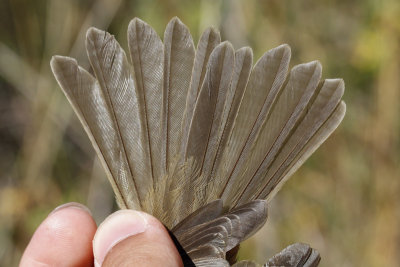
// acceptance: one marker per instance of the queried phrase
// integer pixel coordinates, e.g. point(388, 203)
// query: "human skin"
point(70, 237)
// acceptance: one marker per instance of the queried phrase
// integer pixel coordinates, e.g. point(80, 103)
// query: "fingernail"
point(74, 205)
point(115, 228)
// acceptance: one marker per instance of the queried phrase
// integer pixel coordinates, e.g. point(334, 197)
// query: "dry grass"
point(344, 201)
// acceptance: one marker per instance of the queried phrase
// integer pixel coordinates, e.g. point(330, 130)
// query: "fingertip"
point(115, 228)
point(133, 238)
point(64, 238)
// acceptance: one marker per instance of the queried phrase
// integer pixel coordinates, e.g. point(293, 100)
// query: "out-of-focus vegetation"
point(344, 201)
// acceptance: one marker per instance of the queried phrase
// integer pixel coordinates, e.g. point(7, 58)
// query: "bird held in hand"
point(198, 137)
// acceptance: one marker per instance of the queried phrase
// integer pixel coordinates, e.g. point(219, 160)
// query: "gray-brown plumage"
point(198, 137)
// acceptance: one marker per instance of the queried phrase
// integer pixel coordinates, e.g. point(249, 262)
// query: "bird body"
point(200, 138)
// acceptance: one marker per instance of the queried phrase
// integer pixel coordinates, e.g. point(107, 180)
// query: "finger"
point(133, 238)
point(64, 238)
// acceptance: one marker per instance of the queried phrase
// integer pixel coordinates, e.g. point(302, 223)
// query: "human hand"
point(69, 237)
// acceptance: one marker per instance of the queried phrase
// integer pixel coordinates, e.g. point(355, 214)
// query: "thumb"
point(133, 238)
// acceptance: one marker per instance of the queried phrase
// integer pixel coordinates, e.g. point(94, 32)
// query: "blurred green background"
point(344, 201)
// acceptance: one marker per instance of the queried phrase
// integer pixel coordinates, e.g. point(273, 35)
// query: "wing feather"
point(210, 261)
point(206, 213)
point(295, 255)
point(208, 251)
point(246, 264)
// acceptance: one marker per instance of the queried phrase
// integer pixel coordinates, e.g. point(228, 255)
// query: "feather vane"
point(197, 137)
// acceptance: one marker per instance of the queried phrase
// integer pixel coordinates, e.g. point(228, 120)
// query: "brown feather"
point(197, 138)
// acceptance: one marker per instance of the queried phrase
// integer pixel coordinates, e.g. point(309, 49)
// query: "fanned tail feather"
point(208, 41)
point(265, 80)
point(204, 133)
point(114, 74)
point(87, 99)
point(147, 56)
point(198, 137)
point(282, 117)
point(178, 63)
